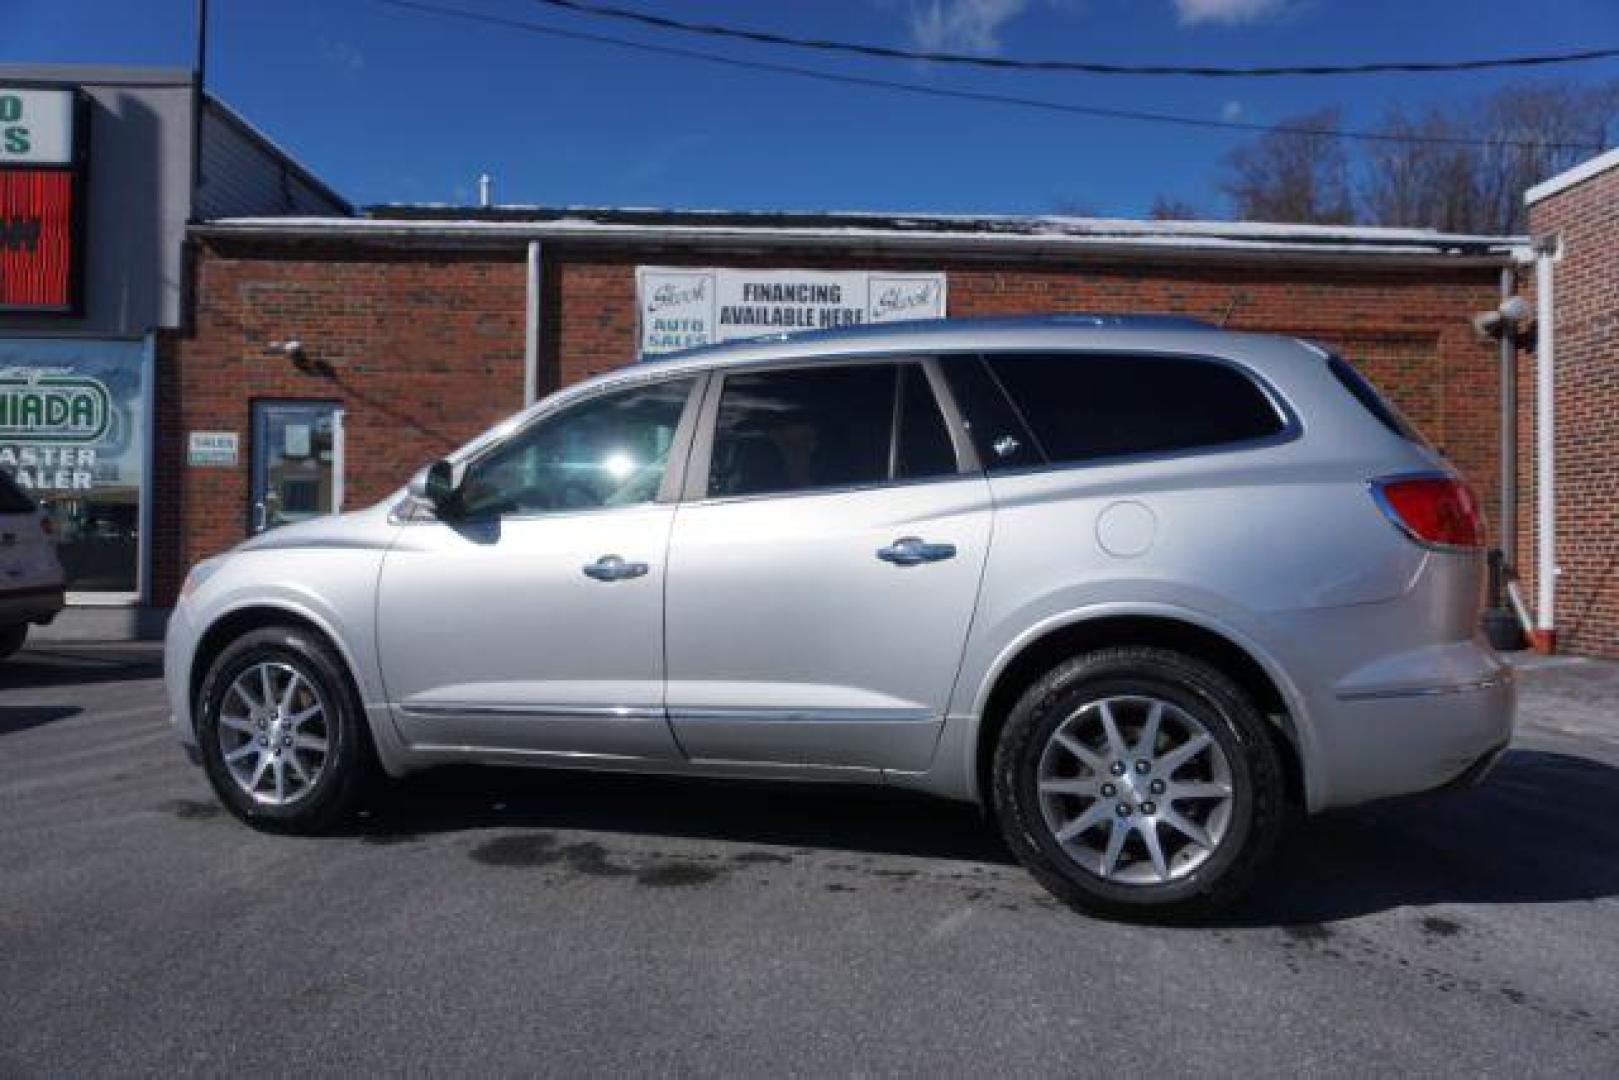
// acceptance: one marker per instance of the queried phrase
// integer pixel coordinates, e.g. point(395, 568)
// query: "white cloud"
point(1231, 110)
point(1193, 12)
point(961, 25)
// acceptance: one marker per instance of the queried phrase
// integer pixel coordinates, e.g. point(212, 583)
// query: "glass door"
point(297, 462)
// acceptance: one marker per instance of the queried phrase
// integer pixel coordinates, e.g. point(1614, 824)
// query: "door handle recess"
point(910, 550)
point(614, 568)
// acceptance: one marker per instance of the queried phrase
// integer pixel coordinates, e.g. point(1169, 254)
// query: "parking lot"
point(540, 922)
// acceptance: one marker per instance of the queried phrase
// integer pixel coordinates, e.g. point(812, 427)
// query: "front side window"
point(1085, 406)
point(827, 427)
point(611, 450)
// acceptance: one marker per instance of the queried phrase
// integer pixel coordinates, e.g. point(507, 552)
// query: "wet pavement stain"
point(192, 809)
point(1438, 926)
point(760, 857)
point(524, 849)
point(676, 874)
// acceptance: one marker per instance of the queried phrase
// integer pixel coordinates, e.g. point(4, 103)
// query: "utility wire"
point(1089, 67)
point(919, 89)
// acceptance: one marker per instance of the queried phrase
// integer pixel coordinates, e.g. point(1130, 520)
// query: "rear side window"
point(1081, 407)
point(827, 427)
point(13, 500)
point(1364, 392)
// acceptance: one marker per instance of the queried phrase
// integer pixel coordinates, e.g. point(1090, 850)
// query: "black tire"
point(11, 640)
point(350, 766)
point(1258, 802)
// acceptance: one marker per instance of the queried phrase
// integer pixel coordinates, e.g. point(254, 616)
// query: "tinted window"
point(998, 433)
point(1373, 402)
point(608, 451)
point(1088, 406)
point(12, 498)
point(826, 427)
point(922, 443)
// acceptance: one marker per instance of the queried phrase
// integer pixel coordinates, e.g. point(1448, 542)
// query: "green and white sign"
point(52, 407)
point(73, 417)
point(36, 127)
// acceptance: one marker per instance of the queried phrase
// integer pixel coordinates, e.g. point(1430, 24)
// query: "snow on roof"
point(1580, 173)
point(978, 232)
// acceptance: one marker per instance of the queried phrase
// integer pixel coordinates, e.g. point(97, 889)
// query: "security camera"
point(1515, 309)
point(292, 347)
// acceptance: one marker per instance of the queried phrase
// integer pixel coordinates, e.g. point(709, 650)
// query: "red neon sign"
point(36, 239)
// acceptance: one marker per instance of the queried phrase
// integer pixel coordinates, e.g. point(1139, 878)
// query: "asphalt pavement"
point(531, 922)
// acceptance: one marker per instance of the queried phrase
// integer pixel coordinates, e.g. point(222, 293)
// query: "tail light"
point(1439, 511)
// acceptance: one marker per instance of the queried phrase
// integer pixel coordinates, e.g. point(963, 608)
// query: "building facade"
point(339, 354)
point(102, 170)
point(1576, 215)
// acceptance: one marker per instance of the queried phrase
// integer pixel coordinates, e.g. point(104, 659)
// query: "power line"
point(982, 97)
point(1089, 67)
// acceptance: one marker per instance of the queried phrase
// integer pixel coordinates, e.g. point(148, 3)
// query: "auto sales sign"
point(39, 195)
point(684, 307)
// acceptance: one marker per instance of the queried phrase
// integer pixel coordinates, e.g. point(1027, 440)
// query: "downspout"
point(1544, 637)
point(531, 339)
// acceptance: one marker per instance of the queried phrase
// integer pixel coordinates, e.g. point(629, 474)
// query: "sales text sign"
point(682, 308)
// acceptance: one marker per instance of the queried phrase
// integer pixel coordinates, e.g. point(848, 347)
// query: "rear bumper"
point(1374, 745)
point(35, 604)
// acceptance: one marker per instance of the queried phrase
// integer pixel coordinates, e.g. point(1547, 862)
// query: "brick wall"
point(1586, 281)
point(425, 351)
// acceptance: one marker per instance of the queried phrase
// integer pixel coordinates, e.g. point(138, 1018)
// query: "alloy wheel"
point(274, 733)
point(1135, 789)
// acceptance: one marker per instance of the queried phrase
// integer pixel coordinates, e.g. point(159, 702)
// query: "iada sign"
point(41, 138)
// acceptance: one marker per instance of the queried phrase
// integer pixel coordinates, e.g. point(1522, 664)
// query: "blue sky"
point(392, 105)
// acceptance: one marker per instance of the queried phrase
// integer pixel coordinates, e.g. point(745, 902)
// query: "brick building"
point(1577, 213)
point(373, 344)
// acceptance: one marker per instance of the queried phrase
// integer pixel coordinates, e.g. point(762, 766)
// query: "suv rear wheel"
point(283, 740)
point(1140, 783)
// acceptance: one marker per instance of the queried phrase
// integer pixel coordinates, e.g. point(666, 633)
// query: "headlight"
point(199, 574)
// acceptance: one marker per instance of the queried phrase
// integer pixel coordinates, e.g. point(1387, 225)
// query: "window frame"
point(1292, 427)
point(695, 489)
point(674, 475)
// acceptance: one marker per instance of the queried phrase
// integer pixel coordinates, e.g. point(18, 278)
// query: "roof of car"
point(851, 337)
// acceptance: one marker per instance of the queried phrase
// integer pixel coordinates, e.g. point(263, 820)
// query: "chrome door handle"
point(614, 568)
point(910, 550)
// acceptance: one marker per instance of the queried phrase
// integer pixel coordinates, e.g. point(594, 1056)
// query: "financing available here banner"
point(684, 307)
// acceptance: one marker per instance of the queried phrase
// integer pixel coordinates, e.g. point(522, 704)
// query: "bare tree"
point(1296, 173)
point(1522, 133)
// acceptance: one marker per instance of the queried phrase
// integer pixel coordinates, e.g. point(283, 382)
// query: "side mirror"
point(438, 484)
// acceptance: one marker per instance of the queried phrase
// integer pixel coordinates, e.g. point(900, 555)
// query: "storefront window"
point(73, 435)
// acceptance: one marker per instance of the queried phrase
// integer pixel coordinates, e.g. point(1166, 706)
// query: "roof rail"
point(1098, 320)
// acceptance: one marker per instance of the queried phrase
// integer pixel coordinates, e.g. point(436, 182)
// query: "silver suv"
point(1133, 584)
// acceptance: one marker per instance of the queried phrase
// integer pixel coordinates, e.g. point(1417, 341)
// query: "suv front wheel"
point(283, 740)
point(1139, 783)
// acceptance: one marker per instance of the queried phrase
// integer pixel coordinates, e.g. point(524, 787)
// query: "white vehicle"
point(1135, 583)
point(31, 579)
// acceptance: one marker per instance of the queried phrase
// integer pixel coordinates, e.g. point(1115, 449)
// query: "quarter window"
point(608, 451)
point(1086, 406)
point(825, 427)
